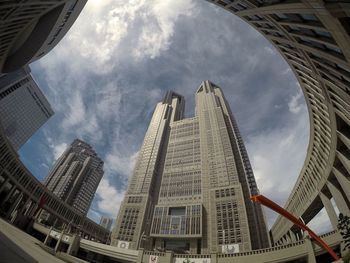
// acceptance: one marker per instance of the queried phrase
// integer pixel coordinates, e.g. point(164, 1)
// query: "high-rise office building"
point(106, 222)
point(23, 107)
point(76, 175)
point(30, 29)
point(192, 181)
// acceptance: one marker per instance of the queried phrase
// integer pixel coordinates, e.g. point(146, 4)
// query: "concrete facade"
point(30, 29)
point(194, 177)
point(23, 107)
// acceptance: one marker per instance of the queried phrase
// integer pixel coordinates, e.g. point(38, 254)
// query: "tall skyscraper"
point(192, 181)
point(106, 222)
point(30, 29)
point(23, 107)
point(76, 175)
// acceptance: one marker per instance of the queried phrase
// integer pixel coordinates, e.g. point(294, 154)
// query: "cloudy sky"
point(104, 79)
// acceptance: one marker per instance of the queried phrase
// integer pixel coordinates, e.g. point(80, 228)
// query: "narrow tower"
point(76, 175)
point(200, 179)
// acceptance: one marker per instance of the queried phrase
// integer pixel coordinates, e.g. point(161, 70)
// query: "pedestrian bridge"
point(299, 251)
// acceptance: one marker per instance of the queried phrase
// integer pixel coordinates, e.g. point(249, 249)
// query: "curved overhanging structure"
point(30, 29)
point(314, 38)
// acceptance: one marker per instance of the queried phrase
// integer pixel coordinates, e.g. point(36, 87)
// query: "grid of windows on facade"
point(38, 101)
point(227, 217)
point(181, 184)
point(128, 224)
point(177, 221)
point(182, 174)
point(148, 156)
point(76, 175)
point(226, 192)
point(221, 163)
point(14, 87)
point(235, 7)
point(23, 110)
point(184, 153)
point(135, 199)
point(199, 159)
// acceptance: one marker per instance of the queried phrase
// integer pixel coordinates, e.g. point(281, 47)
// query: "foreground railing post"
point(283, 212)
point(310, 251)
point(140, 255)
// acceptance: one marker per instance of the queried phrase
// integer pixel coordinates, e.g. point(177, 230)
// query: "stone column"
point(168, 256)
point(213, 258)
point(74, 245)
point(343, 181)
point(14, 206)
point(310, 250)
point(330, 210)
point(292, 236)
point(24, 207)
point(339, 199)
point(48, 238)
point(140, 255)
point(59, 241)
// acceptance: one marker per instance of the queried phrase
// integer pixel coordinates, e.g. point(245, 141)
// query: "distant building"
point(192, 182)
point(23, 107)
point(106, 222)
point(30, 29)
point(76, 175)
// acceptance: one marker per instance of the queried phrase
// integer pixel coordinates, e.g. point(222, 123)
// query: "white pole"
point(223, 237)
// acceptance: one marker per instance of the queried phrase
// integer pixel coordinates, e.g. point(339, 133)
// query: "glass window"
point(322, 33)
point(309, 17)
point(282, 16)
point(177, 211)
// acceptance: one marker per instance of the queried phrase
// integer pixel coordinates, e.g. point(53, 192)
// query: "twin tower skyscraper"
point(190, 188)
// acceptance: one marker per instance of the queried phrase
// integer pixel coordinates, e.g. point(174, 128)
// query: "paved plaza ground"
point(17, 246)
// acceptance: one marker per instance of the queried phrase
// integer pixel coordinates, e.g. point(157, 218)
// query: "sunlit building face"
point(191, 185)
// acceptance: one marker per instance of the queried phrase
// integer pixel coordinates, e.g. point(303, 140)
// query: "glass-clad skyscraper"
point(192, 181)
point(23, 107)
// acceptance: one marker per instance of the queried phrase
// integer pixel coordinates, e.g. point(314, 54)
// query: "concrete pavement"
point(17, 246)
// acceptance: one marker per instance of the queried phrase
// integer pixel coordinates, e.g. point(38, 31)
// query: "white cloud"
point(321, 223)
point(114, 31)
point(156, 37)
point(117, 163)
point(110, 198)
point(75, 115)
point(296, 103)
point(59, 149)
point(269, 50)
point(277, 157)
